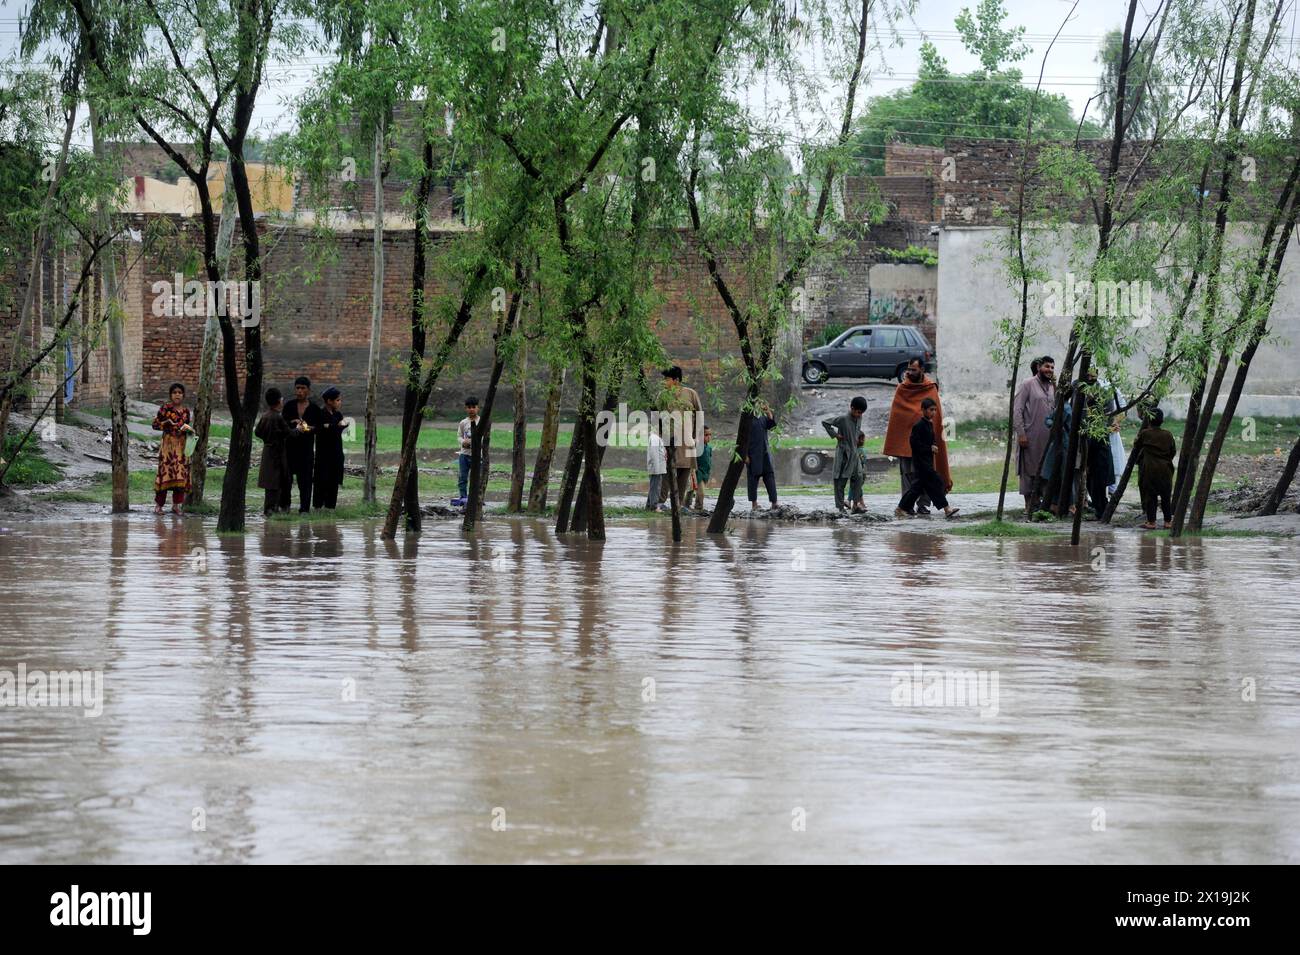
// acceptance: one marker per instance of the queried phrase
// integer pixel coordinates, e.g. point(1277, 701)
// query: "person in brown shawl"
point(173, 420)
point(915, 387)
point(1155, 449)
point(273, 431)
point(1035, 400)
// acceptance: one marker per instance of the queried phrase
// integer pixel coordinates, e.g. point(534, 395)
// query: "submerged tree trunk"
point(376, 324)
point(569, 482)
point(550, 434)
point(33, 278)
point(411, 502)
point(429, 378)
point(519, 442)
point(581, 504)
point(481, 433)
point(1121, 485)
point(208, 354)
point(121, 447)
point(726, 496)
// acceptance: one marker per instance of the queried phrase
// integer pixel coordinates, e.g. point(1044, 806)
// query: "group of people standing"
point(689, 456)
point(1040, 454)
point(914, 436)
point(302, 442)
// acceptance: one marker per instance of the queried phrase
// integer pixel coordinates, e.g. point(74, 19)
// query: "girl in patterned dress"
point(173, 420)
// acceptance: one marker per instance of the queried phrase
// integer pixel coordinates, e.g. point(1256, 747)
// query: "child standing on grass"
point(273, 431)
point(656, 466)
point(927, 479)
point(703, 471)
point(173, 420)
point(465, 432)
point(329, 452)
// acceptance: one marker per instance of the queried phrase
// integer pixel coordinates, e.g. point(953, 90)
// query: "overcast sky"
point(1071, 69)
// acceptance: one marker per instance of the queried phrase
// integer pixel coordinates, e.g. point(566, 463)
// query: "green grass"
point(30, 467)
point(1002, 530)
point(1219, 532)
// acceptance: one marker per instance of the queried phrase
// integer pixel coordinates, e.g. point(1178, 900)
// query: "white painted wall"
point(973, 295)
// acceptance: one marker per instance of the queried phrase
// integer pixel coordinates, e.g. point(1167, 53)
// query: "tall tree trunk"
point(581, 505)
point(1258, 333)
point(1121, 485)
point(21, 332)
point(411, 503)
point(550, 435)
point(376, 323)
point(208, 354)
point(481, 433)
point(595, 503)
point(121, 446)
point(428, 379)
point(726, 496)
point(519, 443)
point(569, 482)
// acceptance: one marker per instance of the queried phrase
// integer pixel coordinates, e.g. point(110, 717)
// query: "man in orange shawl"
point(903, 413)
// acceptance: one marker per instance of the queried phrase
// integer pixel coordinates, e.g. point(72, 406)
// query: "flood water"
point(313, 694)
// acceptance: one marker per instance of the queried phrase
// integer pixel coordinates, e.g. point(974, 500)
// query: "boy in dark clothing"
point(273, 431)
point(303, 416)
point(329, 452)
point(927, 478)
point(1155, 449)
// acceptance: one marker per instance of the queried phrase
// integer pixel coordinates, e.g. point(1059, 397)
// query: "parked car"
point(868, 351)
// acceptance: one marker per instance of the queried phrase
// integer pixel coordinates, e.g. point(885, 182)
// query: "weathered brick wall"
point(321, 327)
point(902, 159)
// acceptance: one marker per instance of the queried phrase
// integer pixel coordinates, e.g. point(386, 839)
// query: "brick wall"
point(321, 327)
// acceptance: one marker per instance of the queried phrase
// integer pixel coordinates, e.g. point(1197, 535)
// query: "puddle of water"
point(640, 701)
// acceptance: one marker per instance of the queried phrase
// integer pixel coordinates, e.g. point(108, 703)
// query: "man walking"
point(915, 387)
point(1035, 400)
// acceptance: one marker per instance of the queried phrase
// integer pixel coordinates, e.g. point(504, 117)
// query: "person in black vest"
point(304, 417)
point(925, 478)
point(329, 451)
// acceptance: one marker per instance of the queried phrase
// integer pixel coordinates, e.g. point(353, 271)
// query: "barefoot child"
point(860, 503)
point(847, 469)
point(927, 478)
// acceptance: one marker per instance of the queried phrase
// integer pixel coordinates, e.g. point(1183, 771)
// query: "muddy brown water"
point(733, 699)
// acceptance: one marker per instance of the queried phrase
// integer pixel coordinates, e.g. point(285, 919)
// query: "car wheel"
point(900, 372)
point(814, 372)
point(812, 462)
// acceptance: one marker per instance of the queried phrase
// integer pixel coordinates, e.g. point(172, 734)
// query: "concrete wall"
point(973, 295)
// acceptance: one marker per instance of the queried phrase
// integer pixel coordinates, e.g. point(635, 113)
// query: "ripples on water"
point(510, 673)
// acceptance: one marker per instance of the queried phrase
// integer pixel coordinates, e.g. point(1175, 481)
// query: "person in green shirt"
point(703, 471)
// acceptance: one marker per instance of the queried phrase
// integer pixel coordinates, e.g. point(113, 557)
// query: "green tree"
point(989, 103)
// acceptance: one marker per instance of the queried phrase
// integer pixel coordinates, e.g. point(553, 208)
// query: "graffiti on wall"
point(896, 310)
